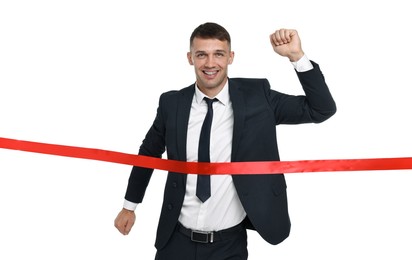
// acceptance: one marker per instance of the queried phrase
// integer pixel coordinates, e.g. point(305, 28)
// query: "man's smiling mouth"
point(210, 73)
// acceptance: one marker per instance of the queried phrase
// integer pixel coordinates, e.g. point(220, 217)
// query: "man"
point(244, 113)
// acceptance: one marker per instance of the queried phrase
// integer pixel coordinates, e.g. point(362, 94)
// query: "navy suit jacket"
point(257, 110)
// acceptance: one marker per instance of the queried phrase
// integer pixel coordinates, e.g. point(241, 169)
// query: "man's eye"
point(201, 55)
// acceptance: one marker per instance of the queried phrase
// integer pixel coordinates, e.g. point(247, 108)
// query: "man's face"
point(210, 58)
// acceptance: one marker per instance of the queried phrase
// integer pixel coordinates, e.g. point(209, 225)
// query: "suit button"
point(174, 185)
point(170, 207)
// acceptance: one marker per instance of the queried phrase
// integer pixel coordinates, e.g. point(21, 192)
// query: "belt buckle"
point(202, 236)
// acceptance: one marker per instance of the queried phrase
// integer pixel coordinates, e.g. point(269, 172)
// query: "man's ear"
point(189, 58)
point(232, 56)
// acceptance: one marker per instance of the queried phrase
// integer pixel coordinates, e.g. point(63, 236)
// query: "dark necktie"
point(203, 181)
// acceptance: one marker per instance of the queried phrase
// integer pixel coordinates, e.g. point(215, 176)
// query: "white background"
point(89, 73)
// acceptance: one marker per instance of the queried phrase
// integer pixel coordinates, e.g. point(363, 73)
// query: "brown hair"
point(210, 31)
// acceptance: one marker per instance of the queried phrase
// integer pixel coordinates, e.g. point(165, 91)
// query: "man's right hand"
point(125, 221)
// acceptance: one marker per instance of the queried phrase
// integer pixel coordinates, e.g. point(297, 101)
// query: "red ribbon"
point(262, 167)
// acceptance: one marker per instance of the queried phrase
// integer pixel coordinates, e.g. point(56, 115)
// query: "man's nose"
point(210, 62)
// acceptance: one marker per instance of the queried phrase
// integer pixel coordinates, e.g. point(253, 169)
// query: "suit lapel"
point(182, 118)
point(238, 104)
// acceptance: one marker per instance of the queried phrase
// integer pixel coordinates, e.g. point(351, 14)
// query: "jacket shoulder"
point(248, 83)
point(175, 93)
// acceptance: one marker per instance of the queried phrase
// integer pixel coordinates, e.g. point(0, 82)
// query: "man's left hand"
point(286, 43)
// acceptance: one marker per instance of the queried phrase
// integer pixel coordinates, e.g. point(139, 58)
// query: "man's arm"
point(317, 105)
point(153, 145)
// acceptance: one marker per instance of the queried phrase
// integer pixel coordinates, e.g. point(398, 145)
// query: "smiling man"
point(222, 119)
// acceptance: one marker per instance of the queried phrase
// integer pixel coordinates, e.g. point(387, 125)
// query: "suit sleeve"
point(152, 145)
point(315, 106)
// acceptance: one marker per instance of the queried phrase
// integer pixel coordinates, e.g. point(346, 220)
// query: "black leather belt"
point(210, 236)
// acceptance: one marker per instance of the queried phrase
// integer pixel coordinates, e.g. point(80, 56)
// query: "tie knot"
point(209, 101)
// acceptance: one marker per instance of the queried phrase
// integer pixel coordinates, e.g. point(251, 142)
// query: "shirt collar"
point(223, 95)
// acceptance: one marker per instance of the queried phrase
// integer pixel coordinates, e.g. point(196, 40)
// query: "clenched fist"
point(286, 43)
point(125, 221)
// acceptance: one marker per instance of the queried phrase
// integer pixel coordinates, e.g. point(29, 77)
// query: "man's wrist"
point(303, 64)
point(294, 57)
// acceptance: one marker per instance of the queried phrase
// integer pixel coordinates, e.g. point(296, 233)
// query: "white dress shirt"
point(223, 209)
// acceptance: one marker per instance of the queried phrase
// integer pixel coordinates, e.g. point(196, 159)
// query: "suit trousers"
point(181, 247)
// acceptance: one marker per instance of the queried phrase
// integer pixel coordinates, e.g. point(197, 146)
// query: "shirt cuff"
point(303, 64)
point(129, 205)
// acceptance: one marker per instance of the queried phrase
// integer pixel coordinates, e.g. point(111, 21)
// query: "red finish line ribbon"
point(262, 167)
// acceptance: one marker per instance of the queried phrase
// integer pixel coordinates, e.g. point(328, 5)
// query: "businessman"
point(223, 119)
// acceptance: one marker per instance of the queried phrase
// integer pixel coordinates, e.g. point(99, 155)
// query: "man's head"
point(210, 54)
